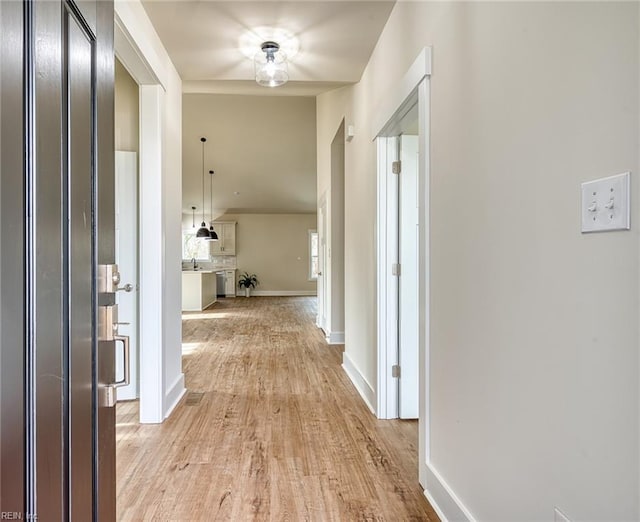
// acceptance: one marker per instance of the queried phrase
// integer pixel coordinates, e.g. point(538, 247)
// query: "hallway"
point(270, 429)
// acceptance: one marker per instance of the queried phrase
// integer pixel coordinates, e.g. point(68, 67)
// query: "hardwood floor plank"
point(271, 429)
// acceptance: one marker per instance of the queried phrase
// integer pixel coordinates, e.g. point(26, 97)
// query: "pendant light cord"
point(211, 195)
point(203, 140)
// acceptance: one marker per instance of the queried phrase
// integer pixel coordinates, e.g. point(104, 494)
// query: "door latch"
point(107, 322)
point(107, 396)
point(108, 278)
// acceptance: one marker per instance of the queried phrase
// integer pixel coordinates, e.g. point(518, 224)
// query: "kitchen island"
point(199, 289)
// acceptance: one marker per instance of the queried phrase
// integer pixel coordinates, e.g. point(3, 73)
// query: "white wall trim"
point(436, 507)
point(424, 268)
point(143, 43)
point(275, 293)
point(173, 396)
point(151, 256)
point(364, 388)
point(443, 499)
point(130, 55)
point(387, 302)
point(420, 68)
point(335, 338)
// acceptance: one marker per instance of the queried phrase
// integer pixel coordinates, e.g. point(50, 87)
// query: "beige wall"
point(127, 114)
point(534, 326)
point(275, 248)
point(263, 147)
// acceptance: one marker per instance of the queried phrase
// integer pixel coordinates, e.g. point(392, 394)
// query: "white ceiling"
point(258, 154)
point(208, 41)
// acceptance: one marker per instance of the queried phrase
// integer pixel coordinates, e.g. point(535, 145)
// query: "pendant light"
point(203, 232)
point(212, 233)
point(193, 217)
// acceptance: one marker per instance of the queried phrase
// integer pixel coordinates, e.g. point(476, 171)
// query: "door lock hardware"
point(107, 322)
point(108, 278)
point(126, 380)
point(108, 394)
point(126, 288)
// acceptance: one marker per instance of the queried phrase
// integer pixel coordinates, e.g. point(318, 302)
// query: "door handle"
point(127, 362)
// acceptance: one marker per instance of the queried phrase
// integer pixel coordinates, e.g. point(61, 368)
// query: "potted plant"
point(248, 282)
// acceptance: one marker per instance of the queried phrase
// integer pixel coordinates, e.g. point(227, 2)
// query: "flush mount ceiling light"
point(203, 231)
point(251, 41)
point(271, 65)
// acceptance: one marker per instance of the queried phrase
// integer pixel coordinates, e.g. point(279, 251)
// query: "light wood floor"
point(270, 429)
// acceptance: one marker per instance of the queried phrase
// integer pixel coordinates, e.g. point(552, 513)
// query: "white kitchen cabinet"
point(230, 283)
point(226, 244)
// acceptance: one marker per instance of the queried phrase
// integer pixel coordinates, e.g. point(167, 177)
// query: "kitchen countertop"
point(206, 270)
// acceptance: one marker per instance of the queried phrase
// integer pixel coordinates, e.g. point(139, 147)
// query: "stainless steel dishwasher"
point(221, 279)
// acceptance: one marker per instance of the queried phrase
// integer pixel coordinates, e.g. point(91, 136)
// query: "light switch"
point(605, 203)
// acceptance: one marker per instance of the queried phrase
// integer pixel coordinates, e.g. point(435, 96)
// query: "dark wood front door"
point(56, 227)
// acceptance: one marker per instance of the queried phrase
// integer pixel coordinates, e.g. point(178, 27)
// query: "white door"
point(408, 285)
point(127, 261)
point(322, 264)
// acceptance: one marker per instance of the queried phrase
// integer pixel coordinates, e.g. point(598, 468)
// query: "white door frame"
point(413, 88)
point(322, 287)
point(387, 296)
point(151, 81)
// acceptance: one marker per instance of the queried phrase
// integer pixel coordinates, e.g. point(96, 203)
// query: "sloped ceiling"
point(262, 147)
point(261, 141)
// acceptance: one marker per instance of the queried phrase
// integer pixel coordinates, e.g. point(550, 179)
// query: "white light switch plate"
point(605, 204)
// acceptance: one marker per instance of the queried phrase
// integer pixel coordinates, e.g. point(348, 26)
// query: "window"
point(313, 255)
point(194, 247)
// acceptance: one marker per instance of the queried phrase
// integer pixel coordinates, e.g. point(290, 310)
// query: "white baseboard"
point(335, 338)
point(444, 500)
point(276, 293)
point(364, 388)
point(173, 396)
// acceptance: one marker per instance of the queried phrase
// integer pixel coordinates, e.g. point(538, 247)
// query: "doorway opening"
point(398, 157)
point(148, 86)
point(323, 288)
point(126, 214)
point(331, 212)
point(402, 140)
point(335, 268)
